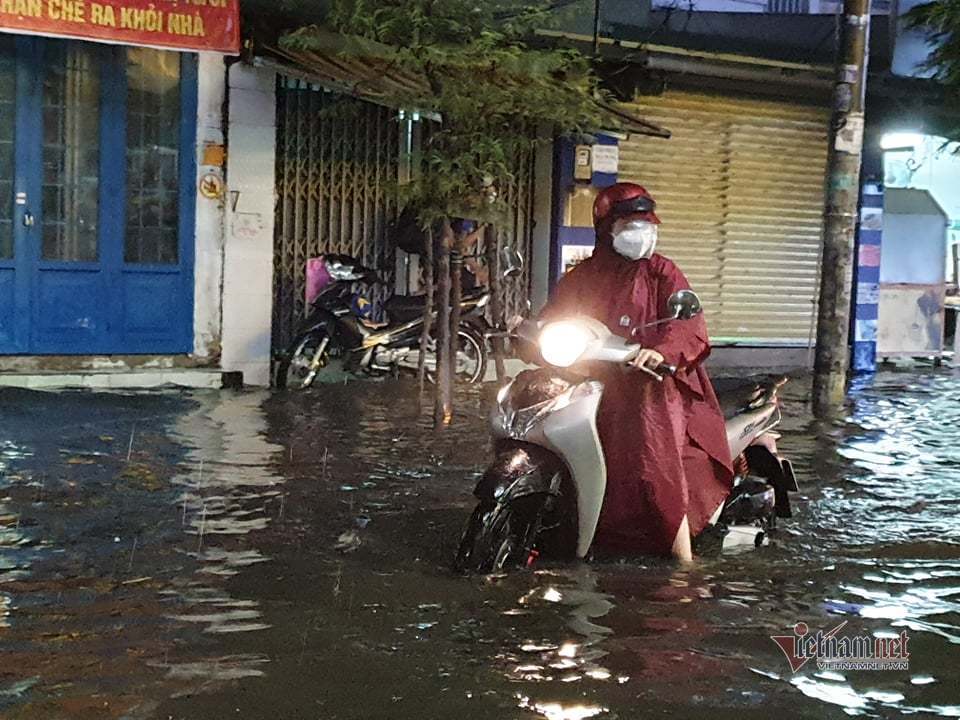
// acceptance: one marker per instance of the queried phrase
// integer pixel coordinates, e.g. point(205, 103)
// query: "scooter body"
point(334, 332)
point(550, 470)
point(567, 426)
point(383, 347)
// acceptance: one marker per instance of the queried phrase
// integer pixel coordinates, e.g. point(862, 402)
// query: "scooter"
point(336, 338)
point(544, 491)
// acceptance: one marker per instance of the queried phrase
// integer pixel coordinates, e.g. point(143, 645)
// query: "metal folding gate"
point(517, 230)
point(337, 162)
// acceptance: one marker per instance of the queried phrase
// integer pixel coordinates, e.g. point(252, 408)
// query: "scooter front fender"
point(572, 433)
point(520, 469)
point(320, 318)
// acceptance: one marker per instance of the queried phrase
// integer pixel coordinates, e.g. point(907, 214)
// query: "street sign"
point(212, 25)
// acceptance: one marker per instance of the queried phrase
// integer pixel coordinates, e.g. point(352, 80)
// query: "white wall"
point(248, 250)
point(208, 271)
point(930, 166)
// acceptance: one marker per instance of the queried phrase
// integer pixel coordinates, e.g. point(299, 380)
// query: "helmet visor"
point(641, 205)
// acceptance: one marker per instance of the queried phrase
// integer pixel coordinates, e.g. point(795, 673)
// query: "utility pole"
point(840, 213)
point(596, 28)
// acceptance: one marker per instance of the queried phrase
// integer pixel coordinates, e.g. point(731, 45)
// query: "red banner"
point(178, 24)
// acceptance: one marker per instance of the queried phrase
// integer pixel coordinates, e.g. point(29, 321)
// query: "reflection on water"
point(6, 606)
point(230, 667)
point(17, 543)
point(128, 507)
point(228, 489)
point(286, 556)
point(556, 711)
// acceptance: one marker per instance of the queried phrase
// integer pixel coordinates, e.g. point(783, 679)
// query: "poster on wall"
point(573, 255)
point(212, 25)
point(606, 159)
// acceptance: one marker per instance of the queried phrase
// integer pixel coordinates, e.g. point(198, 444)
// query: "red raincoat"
point(665, 443)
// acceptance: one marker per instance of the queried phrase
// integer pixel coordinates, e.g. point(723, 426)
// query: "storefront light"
point(902, 141)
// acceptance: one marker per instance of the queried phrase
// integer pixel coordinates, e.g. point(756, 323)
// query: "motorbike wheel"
point(471, 364)
point(500, 537)
point(294, 371)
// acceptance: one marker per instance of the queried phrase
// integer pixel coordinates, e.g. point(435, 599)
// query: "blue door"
point(96, 198)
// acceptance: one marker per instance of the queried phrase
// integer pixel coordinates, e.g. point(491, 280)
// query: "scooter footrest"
point(743, 536)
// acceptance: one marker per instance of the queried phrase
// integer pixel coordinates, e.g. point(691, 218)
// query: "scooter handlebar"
point(662, 370)
point(610, 348)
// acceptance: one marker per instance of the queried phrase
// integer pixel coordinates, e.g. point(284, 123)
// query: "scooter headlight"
point(562, 343)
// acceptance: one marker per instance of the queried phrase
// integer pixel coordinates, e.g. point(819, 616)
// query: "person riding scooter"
point(664, 439)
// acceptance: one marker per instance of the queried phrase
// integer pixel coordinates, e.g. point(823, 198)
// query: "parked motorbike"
point(543, 493)
point(335, 337)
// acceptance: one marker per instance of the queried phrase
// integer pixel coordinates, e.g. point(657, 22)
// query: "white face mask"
point(637, 239)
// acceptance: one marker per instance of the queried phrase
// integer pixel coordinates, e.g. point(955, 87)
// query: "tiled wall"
point(867, 289)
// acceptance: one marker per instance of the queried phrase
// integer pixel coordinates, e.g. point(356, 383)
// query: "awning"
point(684, 61)
point(368, 78)
point(365, 69)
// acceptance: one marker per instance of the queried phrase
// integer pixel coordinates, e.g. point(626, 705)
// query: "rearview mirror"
point(683, 305)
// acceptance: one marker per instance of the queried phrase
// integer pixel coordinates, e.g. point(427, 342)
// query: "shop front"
point(739, 187)
point(98, 175)
point(740, 190)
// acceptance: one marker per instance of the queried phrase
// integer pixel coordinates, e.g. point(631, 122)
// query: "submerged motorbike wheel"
point(500, 537)
point(307, 355)
point(471, 362)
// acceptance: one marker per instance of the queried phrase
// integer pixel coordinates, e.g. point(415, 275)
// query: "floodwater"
point(214, 555)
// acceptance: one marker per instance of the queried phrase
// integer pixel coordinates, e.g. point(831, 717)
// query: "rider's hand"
point(647, 359)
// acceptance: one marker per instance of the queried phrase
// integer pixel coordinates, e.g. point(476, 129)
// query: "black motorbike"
point(336, 338)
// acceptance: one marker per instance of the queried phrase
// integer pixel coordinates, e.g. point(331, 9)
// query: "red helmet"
point(621, 200)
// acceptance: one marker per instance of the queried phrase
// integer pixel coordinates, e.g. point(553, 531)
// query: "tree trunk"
point(443, 406)
point(427, 312)
point(456, 295)
point(492, 242)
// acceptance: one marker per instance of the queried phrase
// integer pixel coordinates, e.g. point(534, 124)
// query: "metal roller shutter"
point(740, 190)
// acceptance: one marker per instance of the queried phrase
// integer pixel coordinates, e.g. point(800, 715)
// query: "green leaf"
point(469, 63)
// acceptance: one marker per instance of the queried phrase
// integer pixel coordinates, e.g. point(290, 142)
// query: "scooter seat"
point(737, 395)
point(403, 308)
